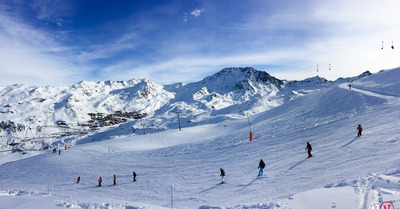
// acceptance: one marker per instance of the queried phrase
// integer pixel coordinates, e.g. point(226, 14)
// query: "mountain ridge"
point(87, 106)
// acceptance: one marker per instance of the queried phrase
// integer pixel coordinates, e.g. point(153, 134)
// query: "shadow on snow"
point(349, 143)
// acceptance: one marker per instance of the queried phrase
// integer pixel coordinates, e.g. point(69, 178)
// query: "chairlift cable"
point(336, 60)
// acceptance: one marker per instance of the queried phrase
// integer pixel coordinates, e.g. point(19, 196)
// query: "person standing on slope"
point(223, 175)
point(359, 128)
point(79, 179)
point(115, 180)
point(309, 148)
point(100, 180)
point(261, 166)
point(134, 176)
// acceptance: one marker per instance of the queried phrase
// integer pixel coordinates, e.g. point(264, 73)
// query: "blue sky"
point(61, 42)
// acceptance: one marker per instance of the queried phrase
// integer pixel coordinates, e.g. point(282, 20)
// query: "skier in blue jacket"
point(261, 166)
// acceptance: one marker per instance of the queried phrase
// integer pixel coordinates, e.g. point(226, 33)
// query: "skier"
point(54, 150)
point(59, 152)
point(359, 128)
point(261, 166)
point(79, 179)
point(115, 180)
point(100, 180)
point(134, 176)
point(223, 175)
point(309, 148)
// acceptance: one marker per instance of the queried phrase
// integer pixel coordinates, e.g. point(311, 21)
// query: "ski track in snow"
point(345, 172)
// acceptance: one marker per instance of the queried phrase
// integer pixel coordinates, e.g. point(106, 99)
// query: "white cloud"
point(197, 12)
point(16, 31)
point(52, 10)
point(292, 63)
point(36, 57)
point(291, 42)
point(24, 65)
point(191, 68)
point(33, 57)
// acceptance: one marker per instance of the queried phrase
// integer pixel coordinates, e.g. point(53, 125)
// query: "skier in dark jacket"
point(261, 166)
point(359, 128)
point(134, 176)
point(223, 175)
point(115, 180)
point(309, 148)
point(79, 179)
point(100, 180)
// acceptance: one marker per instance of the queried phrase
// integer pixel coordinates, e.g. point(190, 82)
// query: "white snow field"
point(180, 169)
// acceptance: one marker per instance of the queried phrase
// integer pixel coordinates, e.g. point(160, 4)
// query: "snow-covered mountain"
point(29, 113)
point(180, 169)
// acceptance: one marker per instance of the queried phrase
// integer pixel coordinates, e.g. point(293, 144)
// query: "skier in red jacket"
point(359, 128)
point(100, 180)
point(309, 148)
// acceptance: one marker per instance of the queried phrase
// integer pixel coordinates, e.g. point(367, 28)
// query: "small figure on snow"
point(349, 86)
point(309, 148)
point(79, 179)
point(359, 128)
point(222, 175)
point(100, 180)
point(115, 180)
point(54, 150)
point(134, 176)
point(59, 152)
point(261, 166)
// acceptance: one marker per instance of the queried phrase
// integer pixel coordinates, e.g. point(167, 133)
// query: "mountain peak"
point(364, 74)
point(240, 77)
point(238, 72)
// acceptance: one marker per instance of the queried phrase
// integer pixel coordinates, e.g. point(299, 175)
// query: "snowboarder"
point(359, 128)
point(134, 176)
point(222, 175)
point(309, 148)
point(261, 166)
point(100, 180)
point(79, 179)
point(115, 180)
point(59, 152)
point(349, 86)
point(54, 150)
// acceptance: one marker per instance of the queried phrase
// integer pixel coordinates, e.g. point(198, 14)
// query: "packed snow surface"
point(180, 169)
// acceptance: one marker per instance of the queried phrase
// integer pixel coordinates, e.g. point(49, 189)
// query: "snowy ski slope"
point(180, 169)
